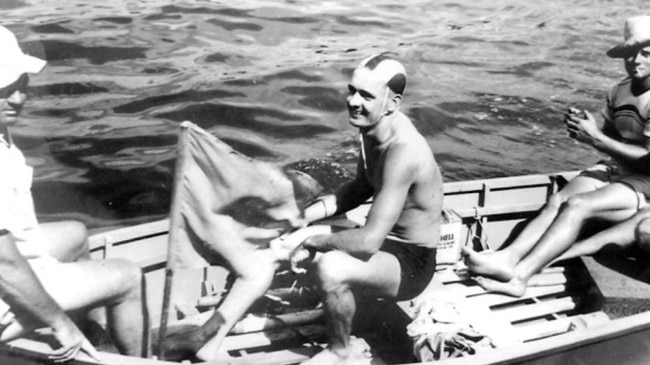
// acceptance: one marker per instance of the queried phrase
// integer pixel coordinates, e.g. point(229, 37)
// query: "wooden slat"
point(152, 261)
point(281, 357)
point(497, 210)
point(129, 233)
point(545, 279)
point(536, 310)
point(359, 347)
point(505, 182)
point(557, 326)
point(544, 329)
point(493, 299)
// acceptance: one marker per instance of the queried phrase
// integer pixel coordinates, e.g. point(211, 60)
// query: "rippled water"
point(488, 82)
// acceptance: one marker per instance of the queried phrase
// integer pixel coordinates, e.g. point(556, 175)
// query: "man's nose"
point(354, 99)
point(18, 97)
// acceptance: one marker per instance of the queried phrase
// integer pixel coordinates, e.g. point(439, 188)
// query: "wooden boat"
point(550, 323)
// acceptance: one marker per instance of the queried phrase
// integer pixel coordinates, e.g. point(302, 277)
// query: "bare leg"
point(67, 241)
point(642, 232)
point(338, 274)
point(499, 265)
point(256, 269)
point(116, 284)
point(623, 234)
point(615, 202)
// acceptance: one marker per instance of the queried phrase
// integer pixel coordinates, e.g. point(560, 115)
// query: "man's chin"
point(8, 121)
point(357, 121)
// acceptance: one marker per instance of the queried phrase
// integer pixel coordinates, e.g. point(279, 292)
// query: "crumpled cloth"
point(440, 330)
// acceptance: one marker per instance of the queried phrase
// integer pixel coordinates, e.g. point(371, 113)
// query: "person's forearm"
point(321, 208)
point(620, 151)
point(23, 292)
point(348, 197)
point(356, 242)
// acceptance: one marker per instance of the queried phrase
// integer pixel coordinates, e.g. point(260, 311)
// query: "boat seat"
point(550, 306)
point(288, 338)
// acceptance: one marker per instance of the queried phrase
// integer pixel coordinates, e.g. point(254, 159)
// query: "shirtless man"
point(393, 254)
point(35, 287)
point(611, 191)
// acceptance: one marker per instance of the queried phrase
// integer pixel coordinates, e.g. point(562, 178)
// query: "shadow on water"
point(182, 97)
point(97, 55)
point(316, 97)
point(210, 115)
point(115, 193)
point(52, 28)
point(67, 88)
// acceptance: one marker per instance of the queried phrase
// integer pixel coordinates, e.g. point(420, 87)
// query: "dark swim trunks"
point(611, 172)
point(417, 263)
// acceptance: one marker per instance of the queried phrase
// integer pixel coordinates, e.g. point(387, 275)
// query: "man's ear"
point(394, 103)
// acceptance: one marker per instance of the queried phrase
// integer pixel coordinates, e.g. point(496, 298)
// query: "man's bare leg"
point(615, 202)
point(338, 273)
point(116, 284)
point(67, 241)
point(622, 234)
point(256, 270)
point(642, 232)
point(500, 265)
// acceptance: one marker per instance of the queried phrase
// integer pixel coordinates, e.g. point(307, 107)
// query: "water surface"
point(488, 82)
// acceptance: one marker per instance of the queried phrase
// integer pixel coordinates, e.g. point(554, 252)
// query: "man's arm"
point(348, 197)
point(387, 205)
point(28, 300)
point(586, 130)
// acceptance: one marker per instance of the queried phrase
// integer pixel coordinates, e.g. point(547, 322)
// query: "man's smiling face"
point(367, 97)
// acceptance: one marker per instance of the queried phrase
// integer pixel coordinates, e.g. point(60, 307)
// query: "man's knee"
point(642, 233)
point(575, 205)
point(70, 240)
point(329, 270)
point(129, 275)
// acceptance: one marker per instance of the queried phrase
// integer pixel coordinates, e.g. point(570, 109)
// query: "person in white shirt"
point(36, 288)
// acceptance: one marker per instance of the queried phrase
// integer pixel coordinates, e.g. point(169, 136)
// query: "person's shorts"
point(417, 263)
point(610, 172)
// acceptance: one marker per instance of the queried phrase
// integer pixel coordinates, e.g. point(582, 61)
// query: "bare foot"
point(493, 264)
point(515, 287)
point(328, 357)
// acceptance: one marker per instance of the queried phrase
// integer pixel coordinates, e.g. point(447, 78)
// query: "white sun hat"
point(636, 35)
point(13, 61)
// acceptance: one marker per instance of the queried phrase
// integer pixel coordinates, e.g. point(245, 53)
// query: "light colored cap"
point(13, 61)
point(636, 35)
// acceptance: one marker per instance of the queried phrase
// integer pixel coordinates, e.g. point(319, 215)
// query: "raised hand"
point(582, 126)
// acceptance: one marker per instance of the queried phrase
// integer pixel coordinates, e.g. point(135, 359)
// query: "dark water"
point(488, 83)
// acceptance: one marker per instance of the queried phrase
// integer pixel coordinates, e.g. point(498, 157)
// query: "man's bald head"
point(391, 71)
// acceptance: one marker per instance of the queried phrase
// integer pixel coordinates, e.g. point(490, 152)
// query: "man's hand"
point(300, 259)
point(72, 341)
point(582, 126)
point(285, 245)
